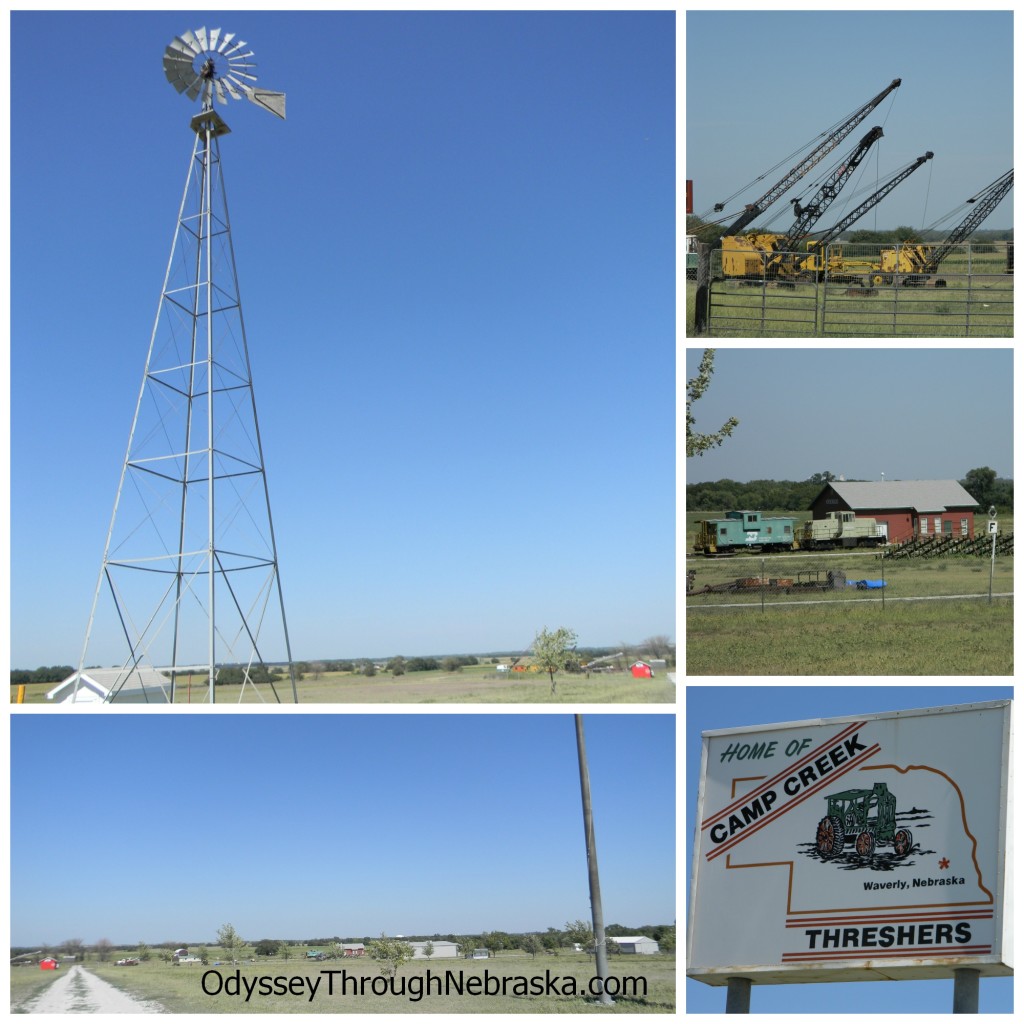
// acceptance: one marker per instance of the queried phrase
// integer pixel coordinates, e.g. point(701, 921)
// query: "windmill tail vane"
point(211, 64)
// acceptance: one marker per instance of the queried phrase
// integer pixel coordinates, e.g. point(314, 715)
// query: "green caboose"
point(745, 530)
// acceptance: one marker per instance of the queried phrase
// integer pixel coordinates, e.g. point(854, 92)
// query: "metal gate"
point(892, 291)
point(755, 300)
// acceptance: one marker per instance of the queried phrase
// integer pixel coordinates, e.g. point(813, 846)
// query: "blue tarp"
point(866, 584)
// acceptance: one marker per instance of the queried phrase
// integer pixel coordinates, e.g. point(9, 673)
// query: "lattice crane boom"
point(989, 198)
point(807, 216)
point(832, 138)
point(873, 200)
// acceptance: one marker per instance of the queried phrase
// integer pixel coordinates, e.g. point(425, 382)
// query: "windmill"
point(189, 585)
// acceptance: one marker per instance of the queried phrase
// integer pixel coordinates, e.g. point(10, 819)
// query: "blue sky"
point(456, 261)
point(814, 68)
point(723, 707)
point(306, 825)
point(910, 414)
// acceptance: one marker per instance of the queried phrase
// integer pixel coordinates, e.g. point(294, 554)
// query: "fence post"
point(700, 313)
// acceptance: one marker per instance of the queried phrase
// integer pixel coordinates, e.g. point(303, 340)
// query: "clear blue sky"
point(164, 827)
point(912, 414)
point(760, 84)
point(724, 707)
point(456, 261)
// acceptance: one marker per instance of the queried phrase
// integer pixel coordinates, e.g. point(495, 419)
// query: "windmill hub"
point(211, 65)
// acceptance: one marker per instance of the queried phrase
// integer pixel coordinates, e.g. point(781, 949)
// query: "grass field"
point(941, 638)
point(179, 989)
point(474, 684)
point(927, 637)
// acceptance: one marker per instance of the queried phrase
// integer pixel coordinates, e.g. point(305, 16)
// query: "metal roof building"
point(903, 508)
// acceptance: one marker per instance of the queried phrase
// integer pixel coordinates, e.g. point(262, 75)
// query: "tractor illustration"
point(864, 817)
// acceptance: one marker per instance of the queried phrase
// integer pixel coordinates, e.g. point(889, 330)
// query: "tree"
point(532, 944)
point(581, 932)
point(980, 485)
point(368, 669)
point(553, 650)
point(396, 666)
point(230, 941)
point(391, 954)
point(697, 444)
point(103, 948)
point(428, 949)
point(267, 947)
point(143, 951)
point(284, 951)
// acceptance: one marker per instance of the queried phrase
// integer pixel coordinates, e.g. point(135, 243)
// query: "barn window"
point(947, 527)
point(924, 526)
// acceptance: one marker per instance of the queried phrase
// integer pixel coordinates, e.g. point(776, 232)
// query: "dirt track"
point(80, 991)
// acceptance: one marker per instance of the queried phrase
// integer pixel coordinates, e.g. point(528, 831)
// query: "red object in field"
point(641, 670)
point(48, 964)
point(689, 195)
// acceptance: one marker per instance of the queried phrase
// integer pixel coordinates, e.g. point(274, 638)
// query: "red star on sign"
point(944, 863)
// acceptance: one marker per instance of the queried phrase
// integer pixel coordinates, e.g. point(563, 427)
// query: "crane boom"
point(808, 215)
point(832, 139)
point(990, 199)
point(873, 200)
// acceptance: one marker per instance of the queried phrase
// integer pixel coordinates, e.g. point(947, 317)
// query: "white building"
point(144, 685)
point(635, 944)
point(443, 950)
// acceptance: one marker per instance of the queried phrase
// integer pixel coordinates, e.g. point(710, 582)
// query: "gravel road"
point(80, 991)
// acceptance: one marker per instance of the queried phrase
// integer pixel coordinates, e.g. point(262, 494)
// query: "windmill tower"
point(189, 583)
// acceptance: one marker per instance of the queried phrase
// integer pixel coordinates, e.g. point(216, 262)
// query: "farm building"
point(443, 949)
point(635, 944)
point(641, 670)
point(48, 963)
point(353, 949)
point(144, 686)
point(904, 509)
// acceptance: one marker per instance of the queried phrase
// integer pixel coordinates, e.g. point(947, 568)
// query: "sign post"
point(993, 530)
point(854, 849)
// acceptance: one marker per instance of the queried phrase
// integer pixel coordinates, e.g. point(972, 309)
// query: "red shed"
point(48, 963)
point(641, 670)
point(903, 508)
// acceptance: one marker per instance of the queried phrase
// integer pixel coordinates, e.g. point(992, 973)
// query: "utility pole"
point(597, 913)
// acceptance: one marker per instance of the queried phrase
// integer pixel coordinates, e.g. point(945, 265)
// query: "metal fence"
point(859, 290)
point(760, 582)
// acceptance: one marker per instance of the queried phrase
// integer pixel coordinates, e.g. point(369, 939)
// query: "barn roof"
point(920, 495)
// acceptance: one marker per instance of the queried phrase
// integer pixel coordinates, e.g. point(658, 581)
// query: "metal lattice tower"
point(189, 582)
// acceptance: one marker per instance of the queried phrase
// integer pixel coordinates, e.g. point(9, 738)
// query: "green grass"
point(938, 638)
point(27, 981)
point(474, 684)
point(179, 989)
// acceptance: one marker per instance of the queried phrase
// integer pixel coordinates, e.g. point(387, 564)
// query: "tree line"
point(982, 484)
point(228, 939)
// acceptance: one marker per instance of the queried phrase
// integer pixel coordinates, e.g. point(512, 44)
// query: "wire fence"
point(759, 582)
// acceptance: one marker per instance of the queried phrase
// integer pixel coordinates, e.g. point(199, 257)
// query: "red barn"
point(48, 963)
point(903, 508)
point(641, 670)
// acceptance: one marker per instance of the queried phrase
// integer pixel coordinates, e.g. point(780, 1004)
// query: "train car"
point(841, 530)
point(745, 531)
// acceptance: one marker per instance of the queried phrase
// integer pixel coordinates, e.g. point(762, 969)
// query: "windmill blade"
point(201, 36)
point(219, 86)
point(237, 46)
point(272, 101)
point(214, 38)
point(225, 39)
point(189, 39)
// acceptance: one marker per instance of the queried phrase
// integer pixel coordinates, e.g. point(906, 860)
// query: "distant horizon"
point(322, 940)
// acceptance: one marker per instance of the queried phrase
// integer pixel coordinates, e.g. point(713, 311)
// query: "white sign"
point(853, 848)
point(992, 526)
